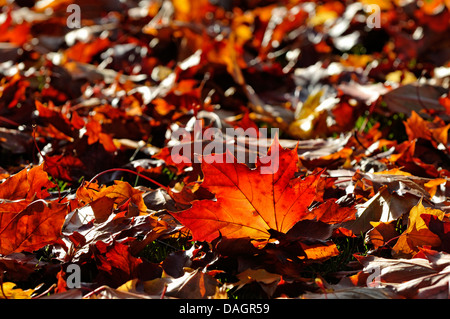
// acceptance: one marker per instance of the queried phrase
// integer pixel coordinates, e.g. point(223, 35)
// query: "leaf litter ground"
point(95, 201)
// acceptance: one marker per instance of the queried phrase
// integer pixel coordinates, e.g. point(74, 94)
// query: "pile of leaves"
point(349, 200)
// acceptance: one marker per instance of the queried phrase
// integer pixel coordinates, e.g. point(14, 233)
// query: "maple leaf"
point(95, 134)
point(381, 233)
point(417, 234)
point(436, 131)
point(116, 263)
point(119, 194)
point(32, 227)
point(440, 228)
point(60, 166)
point(249, 203)
point(26, 184)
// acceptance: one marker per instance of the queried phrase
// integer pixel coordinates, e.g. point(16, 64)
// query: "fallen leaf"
point(120, 193)
point(417, 234)
point(28, 184)
point(249, 203)
point(31, 228)
point(384, 206)
point(439, 227)
point(381, 233)
point(115, 263)
point(9, 290)
point(423, 277)
point(436, 132)
point(194, 284)
point(266, 280)
point(412, 97)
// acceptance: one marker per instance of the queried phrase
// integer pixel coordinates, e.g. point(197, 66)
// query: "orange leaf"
point(26, 184)
point(249, 203)
point(436, 131)
point(320, 251)
point(331, 213)
point(433, 184)
point(84, 52)
point(102, 208)
point(32, 228)
point(93, 129)
point(120, 192)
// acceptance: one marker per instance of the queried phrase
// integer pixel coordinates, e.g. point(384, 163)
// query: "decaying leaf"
point(424, 277)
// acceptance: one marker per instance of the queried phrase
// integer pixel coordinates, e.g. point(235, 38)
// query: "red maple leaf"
point(250, 202)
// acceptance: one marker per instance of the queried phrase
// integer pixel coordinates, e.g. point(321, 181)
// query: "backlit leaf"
point(31, 228)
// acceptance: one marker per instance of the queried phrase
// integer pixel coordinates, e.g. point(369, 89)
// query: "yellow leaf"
point(10, 291)
point(383, 4)
point(432, 185)
point(322, 16)
point(309, 120)
point(394, 171)
point(129, 286)
point(417, 234)
point(403, 77)
point(310, 105)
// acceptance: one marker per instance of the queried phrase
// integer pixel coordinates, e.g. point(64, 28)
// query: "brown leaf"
point(20, 266)
point(194, 284)
point(423, 277)
point(413, 97)
point(266, 280)
point(383, 207)
point(381, 233)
